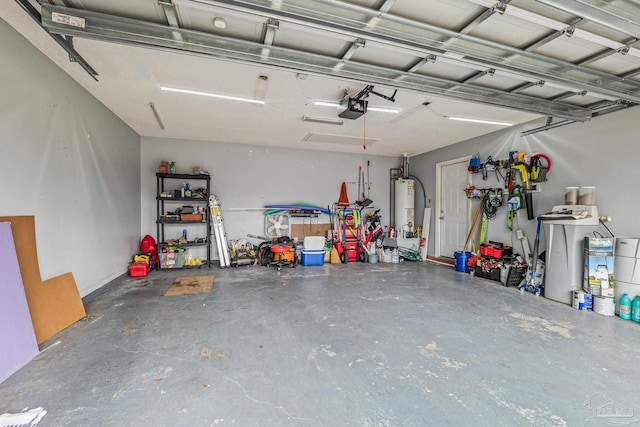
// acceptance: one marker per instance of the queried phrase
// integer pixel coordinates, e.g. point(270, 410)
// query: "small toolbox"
point(495, 250)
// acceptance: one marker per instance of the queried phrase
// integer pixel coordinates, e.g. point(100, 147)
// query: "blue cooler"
point(312, 257)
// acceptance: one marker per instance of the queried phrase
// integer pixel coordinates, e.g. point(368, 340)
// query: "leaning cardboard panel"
point(55, 303)
point(303, 230)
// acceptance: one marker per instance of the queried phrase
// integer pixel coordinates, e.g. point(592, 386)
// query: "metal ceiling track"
point(105, 27)
point(619, 15)
point(607, 108)
point(345, 18)
point(64, 43)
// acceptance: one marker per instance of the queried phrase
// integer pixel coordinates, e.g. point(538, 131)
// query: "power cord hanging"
point(488, 208)
point(364, 133)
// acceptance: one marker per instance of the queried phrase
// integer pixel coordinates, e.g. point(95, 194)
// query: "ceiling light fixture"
point(488, 122)
point(326, 104)
point(211, 95)
point(383, 110)
point(219, 23)
point(369, 108)
point(324, 120)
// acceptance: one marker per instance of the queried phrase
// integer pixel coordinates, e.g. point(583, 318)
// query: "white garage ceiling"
point(504, 61)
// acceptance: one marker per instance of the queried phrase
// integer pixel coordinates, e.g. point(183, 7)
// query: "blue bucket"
point(461, 260)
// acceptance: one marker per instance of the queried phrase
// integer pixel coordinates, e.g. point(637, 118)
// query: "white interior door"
point(452, 211)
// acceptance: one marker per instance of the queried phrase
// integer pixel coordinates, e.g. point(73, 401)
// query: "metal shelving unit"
point(161, 203)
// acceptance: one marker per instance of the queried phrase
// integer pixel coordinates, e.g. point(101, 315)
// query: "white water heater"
point(404, 204)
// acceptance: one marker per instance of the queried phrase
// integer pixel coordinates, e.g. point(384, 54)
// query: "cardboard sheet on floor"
point(190, 286)
point(17, 339)
point(55, 303)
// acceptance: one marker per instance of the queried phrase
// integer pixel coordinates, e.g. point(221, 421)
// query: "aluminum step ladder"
point(219, 233)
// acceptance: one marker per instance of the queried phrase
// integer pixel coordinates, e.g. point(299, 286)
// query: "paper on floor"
point(29, 418)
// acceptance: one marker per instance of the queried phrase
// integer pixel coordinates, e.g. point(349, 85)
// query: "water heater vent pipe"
point(405, 165)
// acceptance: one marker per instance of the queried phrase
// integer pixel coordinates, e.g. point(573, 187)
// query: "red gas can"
point(138, 269)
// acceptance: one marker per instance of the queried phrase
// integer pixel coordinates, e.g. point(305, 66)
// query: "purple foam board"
point(17, 338)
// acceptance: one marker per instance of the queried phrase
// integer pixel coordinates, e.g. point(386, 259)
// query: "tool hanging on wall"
point(532, 168)
point(539, 170)
point(474, 164)
point(492, 165)
point(495, 197)
point(508, 179)
point(508, 182)
point(521, 157)
point(489, 207)
point(359, 184)
point(484, 228)
point(528, 196)
point(514, 204)
point(368, 180)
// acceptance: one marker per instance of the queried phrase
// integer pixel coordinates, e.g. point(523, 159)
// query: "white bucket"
point(582, 301)
point(604, 306)
point(587, 196)
point(571, 196)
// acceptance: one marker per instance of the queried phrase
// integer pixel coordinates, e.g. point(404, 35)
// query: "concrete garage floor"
point(411, 344)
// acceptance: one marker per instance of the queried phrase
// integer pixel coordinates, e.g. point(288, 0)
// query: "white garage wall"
point(603, 153)
point(246, 176)
point(71, 163)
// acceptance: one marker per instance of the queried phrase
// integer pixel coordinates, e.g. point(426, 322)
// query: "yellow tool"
point(535, 172)
point(524, 174)
point(521, 156)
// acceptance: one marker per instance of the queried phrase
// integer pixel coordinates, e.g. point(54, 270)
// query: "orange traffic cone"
point(344, 199)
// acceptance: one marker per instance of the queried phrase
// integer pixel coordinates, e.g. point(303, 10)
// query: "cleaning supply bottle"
point(625, 307)
point(635, 309)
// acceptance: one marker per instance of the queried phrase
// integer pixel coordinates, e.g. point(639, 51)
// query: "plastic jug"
point(635, 309)
point(625, 307)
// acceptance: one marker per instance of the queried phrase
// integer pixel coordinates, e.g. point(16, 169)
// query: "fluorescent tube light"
point(211, 95)
point(369, 108)
point(488, 122)
point(326, 104)
point(384, 110)
point(324, 120)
